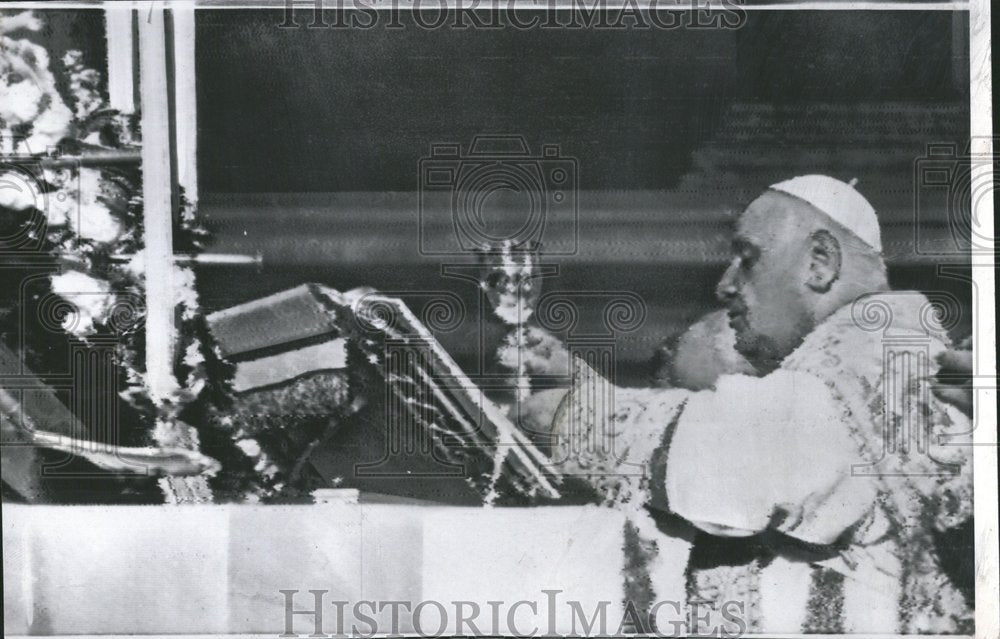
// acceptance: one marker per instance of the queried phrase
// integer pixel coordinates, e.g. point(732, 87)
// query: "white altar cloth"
point(220, 569)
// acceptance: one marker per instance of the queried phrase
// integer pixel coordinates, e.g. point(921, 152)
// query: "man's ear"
point(824, 261)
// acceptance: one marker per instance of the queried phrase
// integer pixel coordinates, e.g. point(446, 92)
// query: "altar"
point(523, 571)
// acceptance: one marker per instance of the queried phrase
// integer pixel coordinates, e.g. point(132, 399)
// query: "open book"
point(425, 425)
point(435, 395)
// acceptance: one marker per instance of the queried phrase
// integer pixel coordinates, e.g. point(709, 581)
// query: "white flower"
point(169, 434)
point(193, 356)
point(50, 127)
point(57, 177)
point(72, 57)
point(250, 447)
point(19, 102)
point(17, 193)
point(94, 222)
point(84, 85)
point(136, 266)
point(24, 20)
point(265, 468)
point(185, 293)
point(91, 297)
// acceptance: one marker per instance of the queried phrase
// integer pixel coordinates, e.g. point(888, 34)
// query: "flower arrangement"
point(70, 189)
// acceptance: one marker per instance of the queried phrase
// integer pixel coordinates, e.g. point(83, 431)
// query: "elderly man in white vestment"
point(837, 465)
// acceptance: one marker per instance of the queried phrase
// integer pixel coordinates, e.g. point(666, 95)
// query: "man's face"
point(764, 286)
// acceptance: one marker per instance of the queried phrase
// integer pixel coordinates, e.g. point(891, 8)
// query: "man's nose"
point(726, 289)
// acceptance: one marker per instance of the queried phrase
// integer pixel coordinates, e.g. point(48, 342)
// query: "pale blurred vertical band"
point(121, 53)
point(185, 100)
point(984, 308)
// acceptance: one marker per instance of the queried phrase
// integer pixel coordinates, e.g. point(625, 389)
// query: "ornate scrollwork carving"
point(621, 311)
point(379, 311)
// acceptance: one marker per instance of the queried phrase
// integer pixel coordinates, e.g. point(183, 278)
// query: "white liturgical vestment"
point(840, 467)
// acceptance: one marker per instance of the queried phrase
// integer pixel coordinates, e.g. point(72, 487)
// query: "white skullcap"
point(839, 201)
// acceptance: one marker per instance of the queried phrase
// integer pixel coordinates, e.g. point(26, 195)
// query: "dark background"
point(314, 109)
point(309, 142)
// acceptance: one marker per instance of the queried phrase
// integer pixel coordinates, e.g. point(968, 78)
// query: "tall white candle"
point(157, 213)
point(157, 185)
